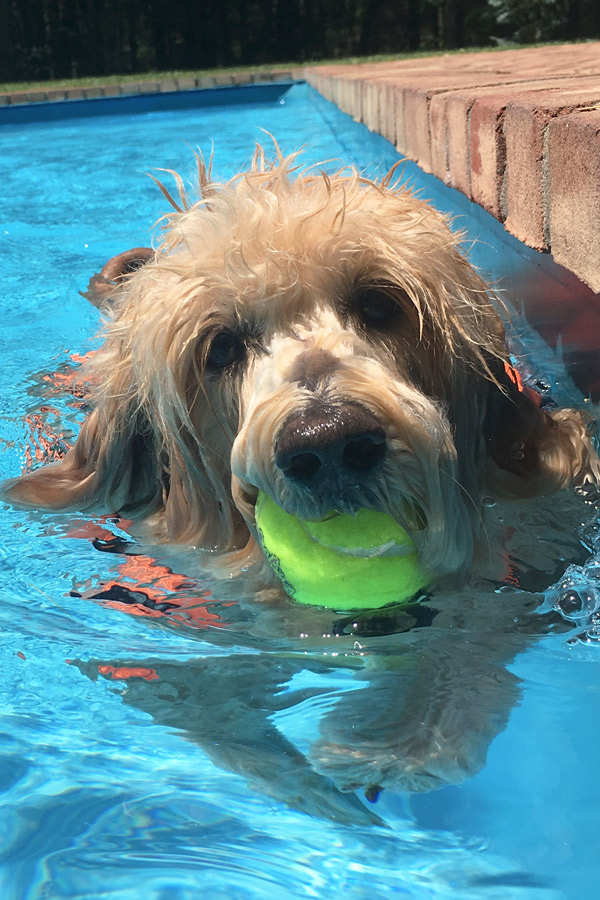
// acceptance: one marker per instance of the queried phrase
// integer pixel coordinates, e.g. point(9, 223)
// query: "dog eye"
point(376, 307)
point(225, 350)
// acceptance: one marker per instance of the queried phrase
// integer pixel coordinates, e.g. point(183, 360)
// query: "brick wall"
point(517, 131)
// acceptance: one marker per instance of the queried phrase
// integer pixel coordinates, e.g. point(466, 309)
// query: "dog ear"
point(531, 451)
point(119, 464)
point(104, 285)
point(110, 467)
point(153, 442)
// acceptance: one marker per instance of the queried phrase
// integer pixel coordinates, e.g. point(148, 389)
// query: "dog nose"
point(330, 441)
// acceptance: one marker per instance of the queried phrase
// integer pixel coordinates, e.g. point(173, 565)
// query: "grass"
point(92, 81)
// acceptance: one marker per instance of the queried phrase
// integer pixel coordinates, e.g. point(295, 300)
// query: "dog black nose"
point(330, 441)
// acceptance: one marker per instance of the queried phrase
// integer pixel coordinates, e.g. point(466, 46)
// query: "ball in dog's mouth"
point(342, 561)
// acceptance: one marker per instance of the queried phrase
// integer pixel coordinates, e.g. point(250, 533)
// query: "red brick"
point(356, 99)
point(524, 187)
point(399, 124)
point(350, 96)
point(449, 114)
point(417, 138)
point(422, 126)
point(525, 124)
point(503, 65)
point(333, 89)
point(379, 106)
point(387, 110)
point(487, 152)
point(458, 115)
point(432, 127)
point(370, 104)
point(438, 127)
point(574, 192)
point(423, 133)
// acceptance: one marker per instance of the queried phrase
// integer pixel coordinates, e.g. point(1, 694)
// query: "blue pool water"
point(147, 756)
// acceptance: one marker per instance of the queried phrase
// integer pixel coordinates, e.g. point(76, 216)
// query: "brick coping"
point(517, 131)
point(151, 86)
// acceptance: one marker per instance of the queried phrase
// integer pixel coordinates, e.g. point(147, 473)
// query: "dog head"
point(318, 337)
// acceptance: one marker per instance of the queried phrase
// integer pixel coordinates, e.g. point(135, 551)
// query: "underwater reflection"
point(408, 697)
point(419, 710)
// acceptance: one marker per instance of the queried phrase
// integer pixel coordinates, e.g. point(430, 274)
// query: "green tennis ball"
point(345, 562)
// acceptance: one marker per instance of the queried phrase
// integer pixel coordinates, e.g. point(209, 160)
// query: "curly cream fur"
point(278, 255)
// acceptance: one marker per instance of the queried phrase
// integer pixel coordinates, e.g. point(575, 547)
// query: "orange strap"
point(514, 376)
point(516, 379)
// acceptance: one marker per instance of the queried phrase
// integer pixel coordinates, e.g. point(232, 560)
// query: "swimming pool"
point(200, 752)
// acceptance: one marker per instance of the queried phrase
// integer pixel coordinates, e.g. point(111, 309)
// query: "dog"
point(323, 339)
point(317, 337)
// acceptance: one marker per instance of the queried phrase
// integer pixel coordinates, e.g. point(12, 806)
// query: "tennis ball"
point(344, 562)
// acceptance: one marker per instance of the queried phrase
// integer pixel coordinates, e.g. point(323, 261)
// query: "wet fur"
point(278, 256)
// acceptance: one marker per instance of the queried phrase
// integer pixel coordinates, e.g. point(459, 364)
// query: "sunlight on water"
point(183, 740)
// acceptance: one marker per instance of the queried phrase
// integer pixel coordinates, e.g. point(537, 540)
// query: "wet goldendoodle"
point(317, 337)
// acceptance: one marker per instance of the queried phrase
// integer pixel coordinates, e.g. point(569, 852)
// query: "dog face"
point(319, 338)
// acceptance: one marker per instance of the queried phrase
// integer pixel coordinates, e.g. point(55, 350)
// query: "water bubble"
point(591, 535)
point(591, 635)
point(577, 602)
point(592, 569)
point(589, 493)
